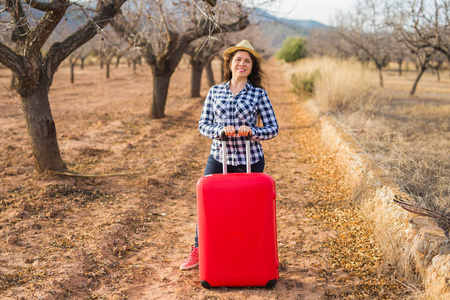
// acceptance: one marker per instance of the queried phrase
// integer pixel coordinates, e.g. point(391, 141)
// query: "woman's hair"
point(255, 77)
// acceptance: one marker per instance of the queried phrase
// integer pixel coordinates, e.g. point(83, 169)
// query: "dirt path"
point(125, 237)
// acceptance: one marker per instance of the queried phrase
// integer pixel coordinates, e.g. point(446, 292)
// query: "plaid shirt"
point(222, 109)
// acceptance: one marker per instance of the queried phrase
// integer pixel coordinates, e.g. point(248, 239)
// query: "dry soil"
point(125, 236)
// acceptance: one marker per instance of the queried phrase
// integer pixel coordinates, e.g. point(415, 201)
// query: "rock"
point(10, 172)
point(36, 263)
point(21, 170)
point(26, 206)
point(12, 239)
point(51, 214)
point(22, 215)
point(49, 192)
point(127, 147)
point(445, 249)
point(151, 181)
point(36, 226)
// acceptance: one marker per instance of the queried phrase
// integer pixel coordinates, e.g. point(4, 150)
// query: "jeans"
point(215, 167)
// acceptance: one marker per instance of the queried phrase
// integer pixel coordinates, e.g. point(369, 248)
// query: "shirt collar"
point(248, 85)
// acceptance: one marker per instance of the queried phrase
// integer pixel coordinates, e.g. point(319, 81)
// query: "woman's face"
point(241, 64)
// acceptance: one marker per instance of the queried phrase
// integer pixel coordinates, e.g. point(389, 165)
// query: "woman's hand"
point(230, 130)
point(244, 131)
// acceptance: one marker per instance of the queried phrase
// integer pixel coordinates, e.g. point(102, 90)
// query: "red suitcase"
point(237, 229)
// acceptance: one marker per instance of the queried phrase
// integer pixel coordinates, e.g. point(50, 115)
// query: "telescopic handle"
point(224, 139)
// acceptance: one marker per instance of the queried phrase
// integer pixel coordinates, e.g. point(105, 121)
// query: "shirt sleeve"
point(267, 115)
point(206, 125)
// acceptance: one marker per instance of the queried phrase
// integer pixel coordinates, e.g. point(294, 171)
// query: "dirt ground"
point(124, 237)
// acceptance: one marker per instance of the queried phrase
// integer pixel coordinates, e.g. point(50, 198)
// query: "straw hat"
point(243, 45)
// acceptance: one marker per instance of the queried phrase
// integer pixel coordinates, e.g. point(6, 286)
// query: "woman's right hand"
point(230, 130)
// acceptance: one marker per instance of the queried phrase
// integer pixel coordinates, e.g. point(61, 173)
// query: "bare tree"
point(436, 63)
point(328, 42)
point(73, 60)
point(199, 57)
point(423, 23)
point(79, 55)
point(134, 57)
point(210, 73)
point(365, 29)
point(399, 52)
point(107, 56)
point(86, 50)
point(170, 35)
point(423, 58)
point(422, 26)
point(30, 24)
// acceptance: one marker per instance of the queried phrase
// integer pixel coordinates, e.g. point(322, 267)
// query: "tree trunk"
point(380, 72)
point(196, 79)
point(13, 80)
point(42, 131)
point(108, 67)
point(118, 60)
point(82, 62)
point(222, 73)
point(209, 74)
point(413, 90)
point(72, 73)
point(160, 90)
point(400, 62)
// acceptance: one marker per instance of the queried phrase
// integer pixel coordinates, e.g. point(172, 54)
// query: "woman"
point(233, 107)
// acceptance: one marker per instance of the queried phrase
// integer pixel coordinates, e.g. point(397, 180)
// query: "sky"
point(317, 10)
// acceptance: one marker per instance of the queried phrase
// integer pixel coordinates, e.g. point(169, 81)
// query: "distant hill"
point(275, 30)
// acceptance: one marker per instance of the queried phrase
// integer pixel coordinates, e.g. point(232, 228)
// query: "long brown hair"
point(255, 77)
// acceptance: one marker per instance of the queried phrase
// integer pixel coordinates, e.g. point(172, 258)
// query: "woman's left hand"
point(244, 131)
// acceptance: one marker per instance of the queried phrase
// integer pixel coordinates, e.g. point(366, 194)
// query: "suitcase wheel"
point(206, 285)
point(271, 284)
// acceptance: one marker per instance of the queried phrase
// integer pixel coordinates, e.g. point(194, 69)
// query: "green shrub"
point(303, 84)
point(293, 48)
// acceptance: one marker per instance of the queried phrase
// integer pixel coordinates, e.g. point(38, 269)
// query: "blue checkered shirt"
point(222, 109)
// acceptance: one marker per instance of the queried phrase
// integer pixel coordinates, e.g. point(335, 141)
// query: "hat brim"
point(231, 50)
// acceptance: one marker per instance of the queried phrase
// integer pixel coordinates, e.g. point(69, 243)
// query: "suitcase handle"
point(224, 139)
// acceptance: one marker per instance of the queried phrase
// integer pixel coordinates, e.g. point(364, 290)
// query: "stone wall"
point(410, 242)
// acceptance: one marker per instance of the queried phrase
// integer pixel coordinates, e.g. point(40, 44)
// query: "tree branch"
point(127, 31)
point(202, 30)
point(205, 14)
point(20, 20)
point(47, 6)
point(59, 51)
point(163, 19)
point(94, 175)
point(211, 2)
point(11, 60)
point(37, 38)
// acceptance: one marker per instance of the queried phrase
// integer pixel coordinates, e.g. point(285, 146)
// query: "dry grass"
point(408, 136)
point(340, 86)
